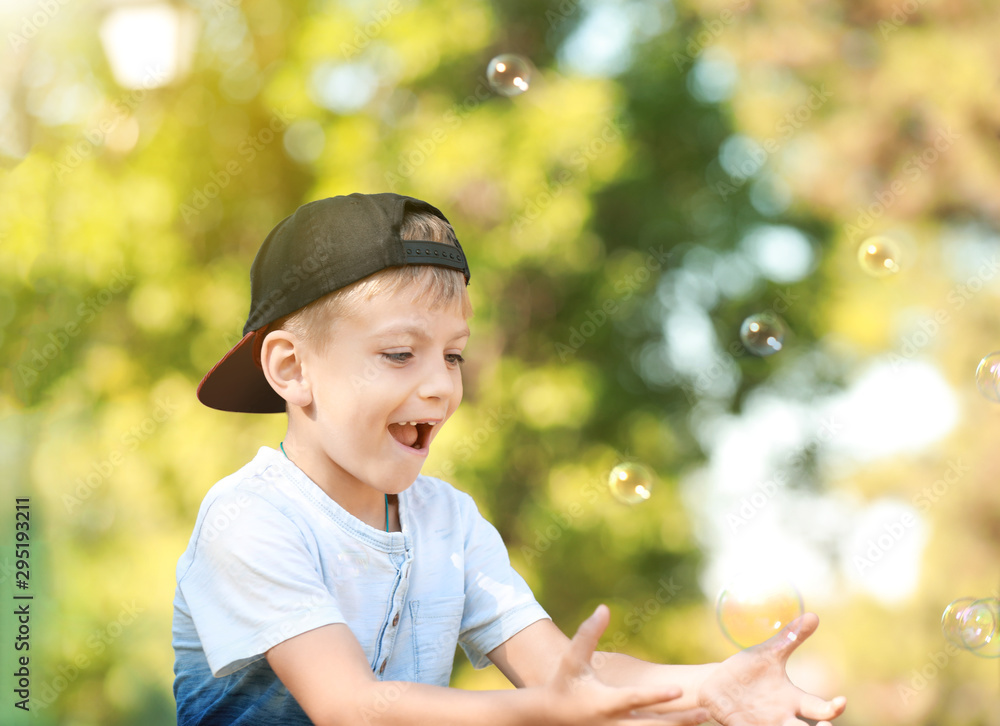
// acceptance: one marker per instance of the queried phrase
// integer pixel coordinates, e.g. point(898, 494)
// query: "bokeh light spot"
point(304, 141)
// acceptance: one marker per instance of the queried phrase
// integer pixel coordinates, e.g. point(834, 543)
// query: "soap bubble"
point(631, 482)
point(978, 624)
point(879, 256)
point(763, 334)
point(752, 610)
point(509, 74)
point(988, 639)
point(974, 625)
point(951, 620)
point(988, 376)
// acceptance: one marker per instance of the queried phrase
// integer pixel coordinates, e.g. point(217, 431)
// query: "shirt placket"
point(390, 626)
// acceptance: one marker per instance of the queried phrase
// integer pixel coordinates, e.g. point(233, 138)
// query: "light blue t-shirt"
point(272, 556)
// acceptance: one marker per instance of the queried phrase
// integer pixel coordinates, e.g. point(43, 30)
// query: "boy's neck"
point(362, 501)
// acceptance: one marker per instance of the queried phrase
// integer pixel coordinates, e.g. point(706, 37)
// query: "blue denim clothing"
point(272, 556)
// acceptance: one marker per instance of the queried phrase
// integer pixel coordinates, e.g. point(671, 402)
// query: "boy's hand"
point(751, 688)
point(579, 697)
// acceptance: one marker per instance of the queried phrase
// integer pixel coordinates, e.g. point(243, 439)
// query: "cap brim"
point(238, 384)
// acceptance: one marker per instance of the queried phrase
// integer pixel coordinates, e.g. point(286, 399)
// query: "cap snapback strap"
point(425, 252)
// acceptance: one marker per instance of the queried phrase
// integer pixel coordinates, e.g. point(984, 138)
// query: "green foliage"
point(128, 220)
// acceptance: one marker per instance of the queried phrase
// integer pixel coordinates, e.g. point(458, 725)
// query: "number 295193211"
point(22, 544)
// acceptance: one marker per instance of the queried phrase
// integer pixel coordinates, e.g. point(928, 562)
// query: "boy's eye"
point(397, 357)
point(455, 358)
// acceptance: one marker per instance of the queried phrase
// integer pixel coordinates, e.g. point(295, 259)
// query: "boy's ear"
point(281, 359)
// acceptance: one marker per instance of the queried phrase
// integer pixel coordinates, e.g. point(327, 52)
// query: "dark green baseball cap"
point(323, 246)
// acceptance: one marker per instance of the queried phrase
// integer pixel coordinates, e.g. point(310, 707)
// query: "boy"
point(328, 582)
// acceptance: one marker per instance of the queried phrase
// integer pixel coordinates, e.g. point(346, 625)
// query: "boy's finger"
point(793, 635)
point(585, 640)
point(816, 708)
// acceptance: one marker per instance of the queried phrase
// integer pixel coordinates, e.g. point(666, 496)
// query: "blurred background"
point(641, 180)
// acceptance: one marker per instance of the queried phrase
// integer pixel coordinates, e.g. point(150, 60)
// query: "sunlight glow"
point(148, 45)
point(753, 516)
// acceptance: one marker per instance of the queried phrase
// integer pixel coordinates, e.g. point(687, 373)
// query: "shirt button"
point(381, 669)
point(395, 620)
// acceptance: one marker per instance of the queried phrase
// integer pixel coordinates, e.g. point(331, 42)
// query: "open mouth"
point(415, 434)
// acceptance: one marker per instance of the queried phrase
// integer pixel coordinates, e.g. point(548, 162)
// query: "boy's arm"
point(752, 682)
point(529, 658)
point(326, 671)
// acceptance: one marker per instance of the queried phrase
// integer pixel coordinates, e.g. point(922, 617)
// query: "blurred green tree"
point(611, 214)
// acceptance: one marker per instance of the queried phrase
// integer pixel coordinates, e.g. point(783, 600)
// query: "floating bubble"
point(978, 624)
point(763, 334)
point(988, 376)
point(509, 74)
point(879, 256)
point(951, 620)
point(631, 482)
point(751, 610)
point(974, 625)
point(990, 647)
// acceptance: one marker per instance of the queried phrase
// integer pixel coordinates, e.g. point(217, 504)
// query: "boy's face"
point(391, 363)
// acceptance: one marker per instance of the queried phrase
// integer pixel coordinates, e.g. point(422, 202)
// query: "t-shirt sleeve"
point(498, 602)
point(252, 582)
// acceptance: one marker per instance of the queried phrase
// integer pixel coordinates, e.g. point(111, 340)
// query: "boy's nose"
point(438, 383)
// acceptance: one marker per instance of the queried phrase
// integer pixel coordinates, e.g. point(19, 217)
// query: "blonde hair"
point(434, 285)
